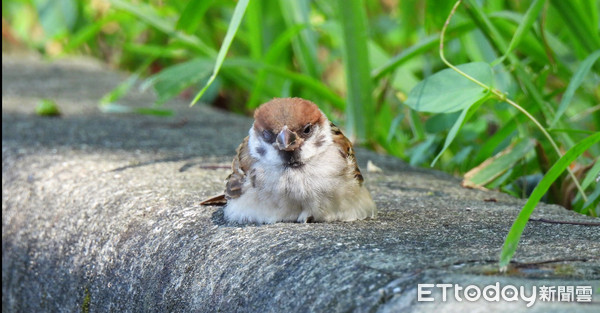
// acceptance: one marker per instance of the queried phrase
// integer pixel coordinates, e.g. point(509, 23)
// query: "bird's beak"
point(287, 140)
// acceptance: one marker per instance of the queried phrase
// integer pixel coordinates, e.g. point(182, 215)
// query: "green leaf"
point(47, 107)
point(448, 91)
point(512, 239)
point(575, 82)
point(236, 19)
point(465, 115)
point(359, 105)
point(571, 131)
point(498, 140)
point(481, 19)
point(295, 13)
point(119, 91)
point(255, 25)
point(416, 125)
point(149, 15)
point(584, 32)
point(125, 86)
point(315, 85)
point(528, 20)
point(276, 49)
point(191, 15)
point(426, 44)
point(495, 166)
point(591, 175)
point(121, 109)
point(422, 151)
point(592, 202)
point(86, 33)
point(441, 122)
point(169, 82)
point(156, 51)
point(451, 134)
point(56, 16)
point(153, 111)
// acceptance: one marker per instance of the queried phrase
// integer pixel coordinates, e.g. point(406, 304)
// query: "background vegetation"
point(375, 68)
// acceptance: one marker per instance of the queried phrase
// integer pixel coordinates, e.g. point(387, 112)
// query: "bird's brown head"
point(287, 122)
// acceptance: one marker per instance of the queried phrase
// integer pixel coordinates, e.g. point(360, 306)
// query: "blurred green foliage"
point(372, 66)
point(47, 107)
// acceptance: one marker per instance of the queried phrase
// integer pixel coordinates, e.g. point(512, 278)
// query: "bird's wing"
point(240, 166)
point(215, 200)
point(234, 182)
point(347, 151)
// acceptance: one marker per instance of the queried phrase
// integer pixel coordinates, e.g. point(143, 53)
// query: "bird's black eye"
point(268, 136)
point(307, 129)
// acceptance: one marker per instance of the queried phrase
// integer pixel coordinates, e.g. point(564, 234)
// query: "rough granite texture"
point(100, 213)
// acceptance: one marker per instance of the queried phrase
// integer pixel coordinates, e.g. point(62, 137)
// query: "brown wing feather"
point(346, 150)
point(215, 200)
point(240, 166)
point(233, 187)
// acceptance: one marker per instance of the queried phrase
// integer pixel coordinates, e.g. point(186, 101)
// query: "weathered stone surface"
point(100, 213)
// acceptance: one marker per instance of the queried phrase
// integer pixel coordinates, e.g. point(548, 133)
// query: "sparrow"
point(294, 166)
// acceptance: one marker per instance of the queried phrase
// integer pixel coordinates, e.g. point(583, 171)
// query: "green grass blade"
point(87, 33)
point(297, 12)
point(153, 111)
point(236, 20)
point(421, 152)
point(498, 140)
point(277, 48)
point(530, 17)
point(571, 131)
point(192, 14)
point(312, 84)
point(591, 175)
point(119, 91)
point(488, 171)
point(426, 44)
point(359, 108)
point(465, 115)
point(156, 51)
point(530, 44)
point(514, 235)
point(592, 203)
point(115, 108)
point(416, 125)
point(577, 21)
point(452, 133)
point(255, 26)
point(575, 82)
point(169, 82)
point(149, 15)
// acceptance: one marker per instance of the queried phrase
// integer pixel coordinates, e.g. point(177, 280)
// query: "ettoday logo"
point(508, 293)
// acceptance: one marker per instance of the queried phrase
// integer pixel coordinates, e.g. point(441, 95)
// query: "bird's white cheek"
point(314, 146)
point(308, 151)
point(264, 152)
point(271, 157)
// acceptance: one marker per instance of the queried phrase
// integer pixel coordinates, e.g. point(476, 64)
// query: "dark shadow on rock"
point(218, 217)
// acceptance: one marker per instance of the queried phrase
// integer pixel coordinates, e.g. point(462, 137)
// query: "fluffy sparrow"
point(295, 165)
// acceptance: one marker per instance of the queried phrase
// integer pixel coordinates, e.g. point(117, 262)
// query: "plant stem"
point(502, 97)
